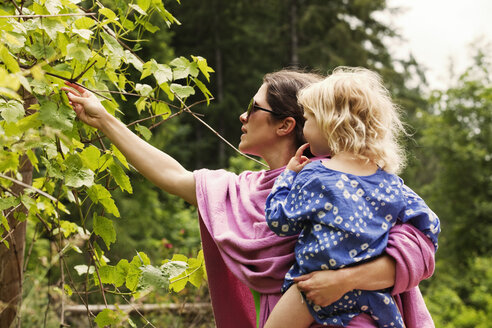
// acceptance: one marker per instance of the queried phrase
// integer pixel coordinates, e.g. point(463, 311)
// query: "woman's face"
point(258, 130)
point(315, 136)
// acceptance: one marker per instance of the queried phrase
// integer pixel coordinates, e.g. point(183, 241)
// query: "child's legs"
point(291, 311)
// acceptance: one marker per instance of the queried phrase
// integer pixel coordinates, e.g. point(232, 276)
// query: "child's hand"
point(85, 104)
point(297, 162)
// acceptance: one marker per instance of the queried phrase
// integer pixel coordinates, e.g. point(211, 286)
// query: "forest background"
point(449, 151)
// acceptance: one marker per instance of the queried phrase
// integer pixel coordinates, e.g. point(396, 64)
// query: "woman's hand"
point(297, 162)
point(324, 287)
point(85, 104)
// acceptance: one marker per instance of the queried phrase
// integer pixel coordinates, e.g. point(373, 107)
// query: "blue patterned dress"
point(343, 220)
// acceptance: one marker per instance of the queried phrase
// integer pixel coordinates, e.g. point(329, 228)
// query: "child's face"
point(314, 136)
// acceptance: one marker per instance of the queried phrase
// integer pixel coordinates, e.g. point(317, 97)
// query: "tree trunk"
point(12, 258)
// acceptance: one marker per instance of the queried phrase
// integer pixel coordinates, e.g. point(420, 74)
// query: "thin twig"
point(136, 310)
point(10, 232)
point(29, 187)
point(223, 139)
point(93, 254)
point(43, 16)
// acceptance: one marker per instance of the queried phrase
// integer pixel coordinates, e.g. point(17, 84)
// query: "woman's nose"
point(243, 117)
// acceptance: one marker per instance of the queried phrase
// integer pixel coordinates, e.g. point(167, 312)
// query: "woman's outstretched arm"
point(158, 167)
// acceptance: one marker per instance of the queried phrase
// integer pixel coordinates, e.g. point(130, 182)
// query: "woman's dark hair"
point(282, 89)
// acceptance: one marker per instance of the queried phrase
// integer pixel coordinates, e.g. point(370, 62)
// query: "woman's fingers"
point(76, 87)
point(303, 277)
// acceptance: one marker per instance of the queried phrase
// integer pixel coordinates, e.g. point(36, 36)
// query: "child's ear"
point(286, 126)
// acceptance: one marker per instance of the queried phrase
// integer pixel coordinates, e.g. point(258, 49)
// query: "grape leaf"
point(103, 227)
point(76, 175)
point(59, 118)
point(12, 111)
point(120, 177)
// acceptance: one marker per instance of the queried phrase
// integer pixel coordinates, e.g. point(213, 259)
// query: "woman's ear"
point(286, 126)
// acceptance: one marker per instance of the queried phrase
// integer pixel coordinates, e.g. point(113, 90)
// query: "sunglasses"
point(253, 107)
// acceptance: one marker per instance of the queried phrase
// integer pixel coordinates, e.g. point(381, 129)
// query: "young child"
point(344, 207)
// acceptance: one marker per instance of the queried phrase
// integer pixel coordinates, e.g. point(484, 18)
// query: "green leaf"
point(84, 23)
point(59, 118)
point(108, 13)
point(144, 131)
point(132, 59)
point(134, 271)
point(52, 26)
point(5, 223)
point(144, 4)
point(167, 89)
point(67, 289)
point(137, 9)
point(8, 60)
point(161, 108)
point(53, 168)
point(85, 34)
point(8, 202)
point(117, 153)
point(76, 175)
point(184, 68)
point(11, 111)
point(152, 277)
point(82, 269)
point(107, 274)
point(121, 272)
point(103, 227)
point(99, 194)
point(68, 228)
point(161, 72)
point(183, 91)
point(174, 268)
point(107, 318)
point(113, 46)
point(203, 89)
point(90, 157)
point(143, 89)
point(203, 66)
point(120, 177)
point(78, 51)
point(151, 28)
point(53, 6)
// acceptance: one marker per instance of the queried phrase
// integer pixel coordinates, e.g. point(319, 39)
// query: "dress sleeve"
point(281, 216)
point(414, 256)
point(420, 215)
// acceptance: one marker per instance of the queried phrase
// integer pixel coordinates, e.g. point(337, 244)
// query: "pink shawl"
point(241, 253)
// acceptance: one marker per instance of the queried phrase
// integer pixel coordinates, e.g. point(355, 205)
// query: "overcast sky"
point(437, 31)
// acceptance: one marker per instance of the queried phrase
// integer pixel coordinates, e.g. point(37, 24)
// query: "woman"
point(241, 253)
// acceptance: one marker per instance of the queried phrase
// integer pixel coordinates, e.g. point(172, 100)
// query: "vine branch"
point(44, 16)
point(29, 187)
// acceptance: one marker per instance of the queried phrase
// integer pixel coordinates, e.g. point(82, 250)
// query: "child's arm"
point(417, 213)
point(281, 217)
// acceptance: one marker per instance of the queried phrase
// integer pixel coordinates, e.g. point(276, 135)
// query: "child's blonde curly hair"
point(355, 111)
